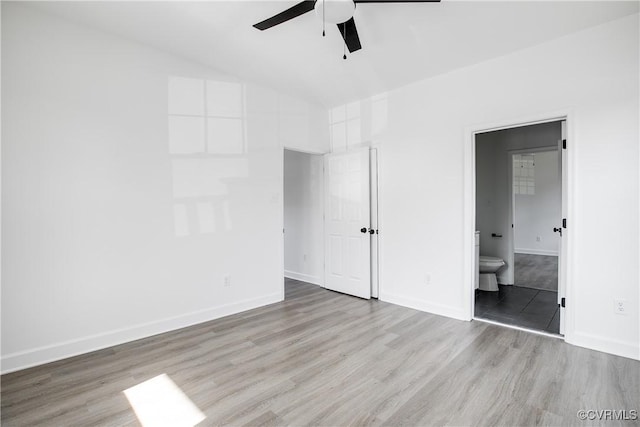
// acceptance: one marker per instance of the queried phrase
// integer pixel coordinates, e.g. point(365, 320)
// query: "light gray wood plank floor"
point(323, 358)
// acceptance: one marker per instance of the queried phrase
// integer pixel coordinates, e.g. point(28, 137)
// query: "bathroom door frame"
point(469, 214)
point(512, 199)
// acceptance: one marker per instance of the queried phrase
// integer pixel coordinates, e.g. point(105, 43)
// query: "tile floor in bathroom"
point(520, 306)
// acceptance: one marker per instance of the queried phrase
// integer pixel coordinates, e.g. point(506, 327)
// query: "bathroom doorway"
point(519, 222)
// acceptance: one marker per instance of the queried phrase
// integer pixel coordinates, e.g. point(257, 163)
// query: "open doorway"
point(519, 205)
point(303, 231)
point(330, 222)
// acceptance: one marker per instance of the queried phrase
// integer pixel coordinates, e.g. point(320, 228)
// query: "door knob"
point(558, 230)
point(363, 230)
point(372, 231)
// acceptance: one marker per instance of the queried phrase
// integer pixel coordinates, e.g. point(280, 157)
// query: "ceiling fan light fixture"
point(335, 11)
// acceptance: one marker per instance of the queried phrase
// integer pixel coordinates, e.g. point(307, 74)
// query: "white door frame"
point(470, 206)
point(375, 224)
point(374, 168)
point(282, 269)
point(512, 196)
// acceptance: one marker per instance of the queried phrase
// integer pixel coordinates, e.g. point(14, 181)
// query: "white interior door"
point(562, 249)
point(347, 223)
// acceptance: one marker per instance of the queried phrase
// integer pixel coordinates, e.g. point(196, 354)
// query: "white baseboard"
point(51, 353)
point(303, 277)
point(429, 307)
point(606, 345)
point(536, 252)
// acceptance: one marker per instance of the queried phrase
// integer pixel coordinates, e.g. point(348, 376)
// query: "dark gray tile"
point(536, 271)
point(542, 306)
point(554, 325)
point(519, 306)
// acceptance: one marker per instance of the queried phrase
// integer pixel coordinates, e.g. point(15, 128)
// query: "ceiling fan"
point(339, 12)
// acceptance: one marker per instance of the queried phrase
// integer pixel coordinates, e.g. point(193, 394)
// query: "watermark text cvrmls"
point(608, 414)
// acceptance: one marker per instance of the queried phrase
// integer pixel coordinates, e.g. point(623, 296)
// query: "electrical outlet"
point(620, 306)
point(304, 257)
point(427, 279)
point(227, 281)
point(538, 239)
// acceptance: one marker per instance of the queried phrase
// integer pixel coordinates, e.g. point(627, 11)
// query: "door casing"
point(469, 263)
point(376, 248)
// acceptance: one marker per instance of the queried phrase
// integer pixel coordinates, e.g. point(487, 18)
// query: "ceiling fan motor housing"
point(335, 11)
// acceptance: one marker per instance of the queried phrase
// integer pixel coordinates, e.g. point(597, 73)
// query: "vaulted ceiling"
point(402, 42)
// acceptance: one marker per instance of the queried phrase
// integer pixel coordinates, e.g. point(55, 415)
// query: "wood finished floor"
point(322, 358)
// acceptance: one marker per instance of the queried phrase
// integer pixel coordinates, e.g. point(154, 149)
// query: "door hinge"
point(564, 144)
point(562, 302)
point(564, 222)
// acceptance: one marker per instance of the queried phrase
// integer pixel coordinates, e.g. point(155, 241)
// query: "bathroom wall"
point(493, 192)
point(537, 214)
point(130, 205)
point(303, 217)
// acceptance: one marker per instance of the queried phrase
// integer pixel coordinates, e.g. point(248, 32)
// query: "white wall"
point(537, 214)
point(124, 208)
point(493, 154)
point(426, 179)
point(303, 217)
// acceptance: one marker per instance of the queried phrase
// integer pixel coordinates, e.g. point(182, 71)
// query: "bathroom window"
point(524, 174)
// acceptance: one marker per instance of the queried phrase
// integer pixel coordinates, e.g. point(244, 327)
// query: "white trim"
point(380, 162)
point(281, 213)
point(440, 309)
point(469, 214)
point(542, 149)
point(509, 275)
point(291, 274)
point(314, 280)
point(373, 191)
point(53, 352)
point(528, 251)
point(512, 204)
point(518, 328)
point(305, 150)
point(619, 348)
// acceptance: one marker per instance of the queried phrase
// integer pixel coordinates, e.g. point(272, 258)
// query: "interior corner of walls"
point(626, 349)
point(315, 280)
point(51, 353)
point(429, 307)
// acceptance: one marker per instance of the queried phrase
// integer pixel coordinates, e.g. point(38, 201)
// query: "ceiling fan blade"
point(350, 35)
point(396, 1)
point(293, 12)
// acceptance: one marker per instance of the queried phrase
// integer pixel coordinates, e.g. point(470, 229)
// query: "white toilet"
point(488, 267)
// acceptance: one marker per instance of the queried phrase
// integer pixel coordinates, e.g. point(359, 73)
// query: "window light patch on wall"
point(345, 126)
point(524, 174)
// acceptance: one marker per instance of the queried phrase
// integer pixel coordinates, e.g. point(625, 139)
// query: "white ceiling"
point(402, 42)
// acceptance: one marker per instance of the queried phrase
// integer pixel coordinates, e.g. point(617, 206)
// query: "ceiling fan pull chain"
point(344, 36)
point(322, 18)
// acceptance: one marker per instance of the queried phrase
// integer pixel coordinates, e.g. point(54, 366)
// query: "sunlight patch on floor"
point(160, 402)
